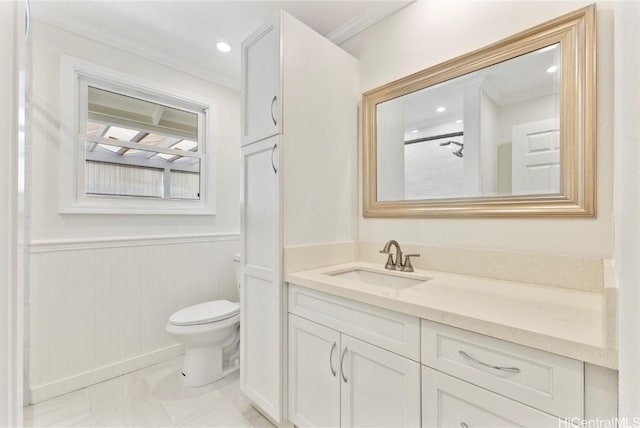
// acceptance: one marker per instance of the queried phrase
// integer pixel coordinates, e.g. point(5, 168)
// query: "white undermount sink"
point(391, 279)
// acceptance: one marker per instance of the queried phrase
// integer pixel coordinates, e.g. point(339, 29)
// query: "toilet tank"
point(236, 267)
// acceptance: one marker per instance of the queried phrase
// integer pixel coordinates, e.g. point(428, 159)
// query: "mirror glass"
point(492, 132)
point(140, 148)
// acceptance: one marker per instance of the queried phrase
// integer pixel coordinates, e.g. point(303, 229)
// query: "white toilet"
point(210, 334)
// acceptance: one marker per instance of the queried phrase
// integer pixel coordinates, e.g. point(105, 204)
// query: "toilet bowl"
point(209, 333)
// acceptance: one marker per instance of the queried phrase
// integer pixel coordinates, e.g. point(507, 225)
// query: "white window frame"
point(75, 75)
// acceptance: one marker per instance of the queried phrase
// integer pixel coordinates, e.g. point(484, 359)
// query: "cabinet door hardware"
point(344, 378)
point(333, 348)
point(468, 357)
point(273, 101)
point(273, 165)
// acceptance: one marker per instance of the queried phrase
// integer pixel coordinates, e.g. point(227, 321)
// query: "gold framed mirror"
point(506, 130)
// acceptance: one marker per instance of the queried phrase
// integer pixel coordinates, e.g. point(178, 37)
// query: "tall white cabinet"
point(260, 290)
point(261, 83)
point(300, 94)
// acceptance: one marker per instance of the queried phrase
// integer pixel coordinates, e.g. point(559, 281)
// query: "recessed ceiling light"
point(223, 46)
point(415, 131)
point(459, 121)
point(440, 109)
point(552, 69)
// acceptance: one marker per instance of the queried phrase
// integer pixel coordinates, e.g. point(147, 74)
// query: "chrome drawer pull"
point(333, 348)
point(273, 165)
point(502, 369)
point(273, 101)
point(342, 365)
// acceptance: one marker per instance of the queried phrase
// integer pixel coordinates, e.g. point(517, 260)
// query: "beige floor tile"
point(118, 393)
point(219, 414)
point(179, 401)
point(65, 410)
point(151, 397)
point(147, 414)
point(153, 375)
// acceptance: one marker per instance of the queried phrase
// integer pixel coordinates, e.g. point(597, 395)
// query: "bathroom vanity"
point(472, 337)
point(368, 346)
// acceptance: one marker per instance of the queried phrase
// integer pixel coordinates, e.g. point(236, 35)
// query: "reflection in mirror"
point(492, 132)
point(139, 148)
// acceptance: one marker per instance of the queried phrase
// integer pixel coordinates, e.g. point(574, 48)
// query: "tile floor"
point(151, 397)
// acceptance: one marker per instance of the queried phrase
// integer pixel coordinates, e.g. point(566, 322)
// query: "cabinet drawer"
point(542, 380)
point(387, 329)
point(450, 402)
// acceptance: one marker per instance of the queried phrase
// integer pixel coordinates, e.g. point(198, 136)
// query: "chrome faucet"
point(397, 263)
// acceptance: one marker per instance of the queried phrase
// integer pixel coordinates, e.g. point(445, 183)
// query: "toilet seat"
point(205, 313)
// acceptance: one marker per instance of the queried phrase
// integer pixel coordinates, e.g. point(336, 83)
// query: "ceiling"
point(516, 80)
point(182, 34)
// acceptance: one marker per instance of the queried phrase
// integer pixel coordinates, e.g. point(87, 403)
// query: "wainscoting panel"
point(100, 310)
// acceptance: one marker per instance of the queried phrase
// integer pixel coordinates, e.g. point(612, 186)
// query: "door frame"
point(12, 284)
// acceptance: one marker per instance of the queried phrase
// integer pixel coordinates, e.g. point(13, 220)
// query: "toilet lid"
point(204, 313)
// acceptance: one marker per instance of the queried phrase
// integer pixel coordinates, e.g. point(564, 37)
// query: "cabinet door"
point(314, 383)
point(452, 403)
point(260, 291)
point(261, 95)
point(379, 388)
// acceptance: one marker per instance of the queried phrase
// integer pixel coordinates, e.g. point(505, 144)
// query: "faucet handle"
point(390, 263)
point(407, 266)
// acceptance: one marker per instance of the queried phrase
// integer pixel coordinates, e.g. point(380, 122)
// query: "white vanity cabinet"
point(448, 402)
point(314, 374)
point(379, 388)
point(354, 364)
point(544, 381)
point(336, 379)
point(300, 96)
point(472, 380)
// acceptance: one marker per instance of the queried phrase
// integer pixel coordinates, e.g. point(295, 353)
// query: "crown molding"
point(365, 19)
point(51, 17)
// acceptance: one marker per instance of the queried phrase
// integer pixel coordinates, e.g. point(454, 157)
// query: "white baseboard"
point(82, 380)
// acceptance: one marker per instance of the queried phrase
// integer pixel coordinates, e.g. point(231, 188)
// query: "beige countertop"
point(572, 323)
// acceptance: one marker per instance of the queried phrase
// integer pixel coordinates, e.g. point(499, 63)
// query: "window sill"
point(136, 210)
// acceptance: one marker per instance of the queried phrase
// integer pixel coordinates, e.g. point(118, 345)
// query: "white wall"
point(319, 153)
point(432, 170)
point(488, 144)
point(107, 304)
point(428, 32)
point(9, 330)
point(533, 110)
point(473, 155)
point(390, 150)
point(48, 43)
point(627, 201)
point(103, 286)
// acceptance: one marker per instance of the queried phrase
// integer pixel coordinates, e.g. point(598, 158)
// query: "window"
point(137, 149)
